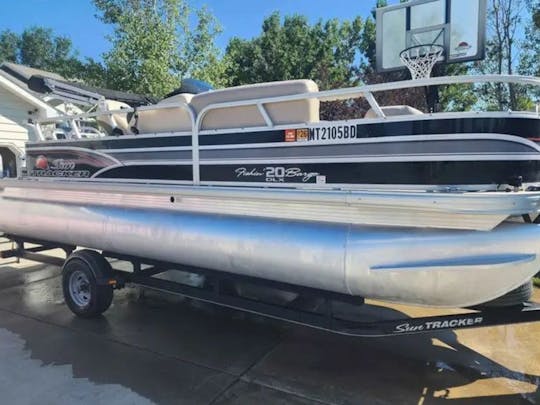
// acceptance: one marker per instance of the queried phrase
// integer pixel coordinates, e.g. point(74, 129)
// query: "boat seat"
point(173, 119)
point(120, 124)
point(394, 110)
point(286, 112)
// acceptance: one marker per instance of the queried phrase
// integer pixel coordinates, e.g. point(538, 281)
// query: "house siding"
point(13, 116)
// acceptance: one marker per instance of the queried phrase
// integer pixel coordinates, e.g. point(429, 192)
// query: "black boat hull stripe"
point(517, 126)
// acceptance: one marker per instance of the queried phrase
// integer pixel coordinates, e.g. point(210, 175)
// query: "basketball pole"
point(432, 93)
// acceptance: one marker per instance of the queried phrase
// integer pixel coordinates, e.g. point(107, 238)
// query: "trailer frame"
point(313, 308)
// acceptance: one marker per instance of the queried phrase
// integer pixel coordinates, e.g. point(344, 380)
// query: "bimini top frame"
point(365, 92)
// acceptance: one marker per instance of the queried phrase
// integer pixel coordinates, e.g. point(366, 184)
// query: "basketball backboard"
point(459, 26)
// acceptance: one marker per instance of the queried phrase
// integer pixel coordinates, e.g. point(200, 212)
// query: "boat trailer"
point(88, 281)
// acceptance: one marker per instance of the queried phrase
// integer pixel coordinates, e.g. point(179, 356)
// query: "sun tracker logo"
point(41, 163)
point(57, 168)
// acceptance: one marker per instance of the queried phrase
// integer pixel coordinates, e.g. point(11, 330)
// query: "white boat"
point(431, 244)
point(397, 204)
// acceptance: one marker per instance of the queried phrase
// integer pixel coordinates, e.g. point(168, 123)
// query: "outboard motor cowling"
point(191, 86)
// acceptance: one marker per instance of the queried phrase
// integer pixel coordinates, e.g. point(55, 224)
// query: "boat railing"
point(324, 96)
point(72, 119)
point(366, 92)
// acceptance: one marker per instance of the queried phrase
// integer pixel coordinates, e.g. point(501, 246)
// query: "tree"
point(529, 63)
point(200, 58)
point(502, 55)
point(536, 16)
point(40, 48)
point(144, 51)
point(291, 48)
point(154, 47)
point(93, 73)
point(9, 46)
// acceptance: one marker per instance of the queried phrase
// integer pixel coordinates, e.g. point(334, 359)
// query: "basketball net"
point(420, 59)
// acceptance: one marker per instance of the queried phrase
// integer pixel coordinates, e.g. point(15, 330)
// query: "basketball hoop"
point(420, 59)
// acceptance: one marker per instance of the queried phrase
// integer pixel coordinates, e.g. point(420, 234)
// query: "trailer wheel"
point(83, 282)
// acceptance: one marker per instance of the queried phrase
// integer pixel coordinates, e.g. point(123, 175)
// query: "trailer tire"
point(85, 293)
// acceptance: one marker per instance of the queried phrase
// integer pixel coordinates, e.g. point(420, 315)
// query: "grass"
point(536, 281)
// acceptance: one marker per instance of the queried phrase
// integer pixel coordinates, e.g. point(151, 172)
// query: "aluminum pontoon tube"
point(418, 266)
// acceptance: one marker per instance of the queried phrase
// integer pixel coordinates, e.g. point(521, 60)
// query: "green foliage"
point(293, 49)
point(144, 51)
point(458, 97)
point(154, 47)
point(93, 73)
point(536, 17)
point(201, 57)
point(368, 45)
point(112, 10)
point(9, 46)
point(529, 63)
point(39, 48)
point(506, 54)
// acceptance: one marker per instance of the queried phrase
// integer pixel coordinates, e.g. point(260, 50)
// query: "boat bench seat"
point(394, 110)
point(285, 112)
point(177, 119)
point(174, 119)
point(114, 123)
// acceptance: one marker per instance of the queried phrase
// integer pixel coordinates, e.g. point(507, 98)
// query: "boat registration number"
point(333, 133)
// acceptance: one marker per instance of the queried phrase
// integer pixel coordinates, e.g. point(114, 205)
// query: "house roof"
point(20, 75)
point(14, 78)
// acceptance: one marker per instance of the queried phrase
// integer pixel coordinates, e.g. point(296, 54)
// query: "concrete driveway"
point(150, 350)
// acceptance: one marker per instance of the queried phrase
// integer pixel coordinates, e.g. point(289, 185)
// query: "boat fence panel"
point(367, 92)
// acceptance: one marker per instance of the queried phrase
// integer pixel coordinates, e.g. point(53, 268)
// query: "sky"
point(242, 18)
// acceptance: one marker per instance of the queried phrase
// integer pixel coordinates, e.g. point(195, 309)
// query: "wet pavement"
point(150, 350)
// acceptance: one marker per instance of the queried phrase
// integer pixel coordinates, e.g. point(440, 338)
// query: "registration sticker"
point(290, 135)
point(302, 135)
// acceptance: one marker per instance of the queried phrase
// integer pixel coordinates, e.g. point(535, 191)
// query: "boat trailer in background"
point(88, 278)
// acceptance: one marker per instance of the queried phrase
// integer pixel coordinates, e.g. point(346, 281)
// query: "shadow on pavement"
point(186, 352)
